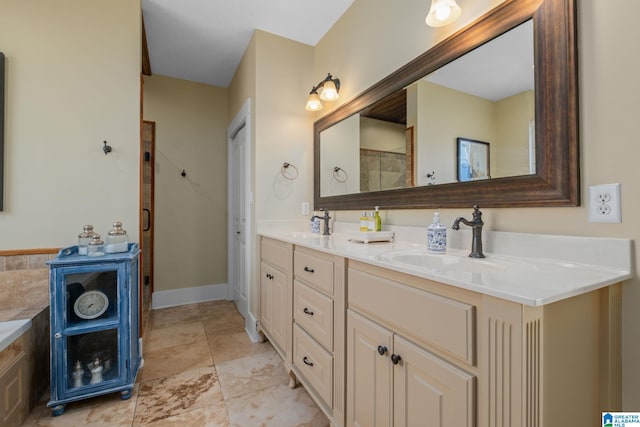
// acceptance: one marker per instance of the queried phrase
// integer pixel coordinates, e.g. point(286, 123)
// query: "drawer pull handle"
point(382, 350)
point(306, 361)
point(395, 359)
point(308, 270)
point(307, 311)
point(268, 276)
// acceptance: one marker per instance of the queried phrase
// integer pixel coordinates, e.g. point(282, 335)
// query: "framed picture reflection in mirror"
point(472, 160)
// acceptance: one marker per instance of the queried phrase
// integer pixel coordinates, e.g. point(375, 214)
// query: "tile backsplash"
point(24, 279)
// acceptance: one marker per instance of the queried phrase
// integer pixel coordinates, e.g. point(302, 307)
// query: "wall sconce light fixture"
point(443, 12)
point(329, 88)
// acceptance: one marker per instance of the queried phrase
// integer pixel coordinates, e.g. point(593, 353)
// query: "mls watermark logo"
point(621, 419)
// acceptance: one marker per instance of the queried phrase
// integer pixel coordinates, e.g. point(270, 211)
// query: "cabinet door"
point(368, 373)
point(273, 300)
point(429, 391)
point(282, 322)
point(266, 299)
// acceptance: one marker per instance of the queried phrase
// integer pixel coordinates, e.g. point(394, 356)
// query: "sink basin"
point(443, 262)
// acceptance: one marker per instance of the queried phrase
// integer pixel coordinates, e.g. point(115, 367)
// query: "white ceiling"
point(495, 70)
point(204, 40)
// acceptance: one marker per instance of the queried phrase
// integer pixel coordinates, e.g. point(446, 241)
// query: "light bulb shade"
point(313, 102)
point(443, 12)
point(329, 91)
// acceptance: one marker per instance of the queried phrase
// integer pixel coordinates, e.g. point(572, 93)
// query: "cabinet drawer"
point(314, 363)
point(314, 270)
point(442, 322)
point(277, 253)
point(314, 312)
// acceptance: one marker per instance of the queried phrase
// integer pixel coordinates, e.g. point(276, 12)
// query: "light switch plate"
point(604, 203)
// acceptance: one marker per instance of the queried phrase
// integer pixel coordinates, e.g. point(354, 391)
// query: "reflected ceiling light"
point(443, 12)
point(329, 88)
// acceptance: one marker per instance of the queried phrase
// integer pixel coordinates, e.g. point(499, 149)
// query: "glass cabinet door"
point(92, 359)
point(90, 296)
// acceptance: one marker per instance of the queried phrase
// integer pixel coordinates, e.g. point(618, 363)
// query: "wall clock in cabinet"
point(94, 325)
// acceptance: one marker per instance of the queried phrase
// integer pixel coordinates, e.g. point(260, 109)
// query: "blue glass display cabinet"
point(94, 325)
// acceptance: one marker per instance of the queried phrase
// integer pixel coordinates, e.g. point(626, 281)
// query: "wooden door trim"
point(152, 196)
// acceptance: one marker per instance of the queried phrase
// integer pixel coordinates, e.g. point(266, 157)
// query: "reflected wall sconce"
point(328, 91)
point(443, 12)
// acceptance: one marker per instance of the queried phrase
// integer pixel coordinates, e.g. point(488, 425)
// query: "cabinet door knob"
point(308, 270)
point(307, 311)
point(306, 361)
point(382, 350)
point(58, 335)
point(395, 359)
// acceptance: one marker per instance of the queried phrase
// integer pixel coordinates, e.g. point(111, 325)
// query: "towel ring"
point(290, 176)
point(340, 174)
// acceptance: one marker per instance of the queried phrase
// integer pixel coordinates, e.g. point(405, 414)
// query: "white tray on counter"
point(371, 236)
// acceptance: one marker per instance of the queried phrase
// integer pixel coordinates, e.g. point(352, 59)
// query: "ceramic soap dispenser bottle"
point(437, 236)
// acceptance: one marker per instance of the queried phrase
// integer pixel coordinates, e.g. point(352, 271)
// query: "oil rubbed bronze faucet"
point(326, 219)
point(476, 227)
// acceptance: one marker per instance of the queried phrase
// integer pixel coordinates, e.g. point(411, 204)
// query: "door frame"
point(151, 216)
point(241, 119)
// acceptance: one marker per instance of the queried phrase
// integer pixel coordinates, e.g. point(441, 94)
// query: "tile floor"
point(200, 369)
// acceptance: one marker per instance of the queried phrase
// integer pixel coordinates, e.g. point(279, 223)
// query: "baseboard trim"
point(174, 297)
point(251, 327)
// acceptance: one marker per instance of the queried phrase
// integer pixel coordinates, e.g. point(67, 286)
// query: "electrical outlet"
point(305, 208)
point(604, 203)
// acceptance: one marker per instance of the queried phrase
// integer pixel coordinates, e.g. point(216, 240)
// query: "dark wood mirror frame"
point(556, 182)
point(1, 131)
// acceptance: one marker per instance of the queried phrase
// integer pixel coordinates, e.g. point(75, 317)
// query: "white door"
point(238, 212)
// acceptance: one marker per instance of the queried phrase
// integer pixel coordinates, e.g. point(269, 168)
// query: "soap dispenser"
point(378, 219)
point(371, 224)
point(364, 222)
point(437, 236)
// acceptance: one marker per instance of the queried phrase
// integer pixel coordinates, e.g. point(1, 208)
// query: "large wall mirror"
point(488, 117)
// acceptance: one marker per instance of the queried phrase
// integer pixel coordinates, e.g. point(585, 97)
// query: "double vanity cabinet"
point(376, 346)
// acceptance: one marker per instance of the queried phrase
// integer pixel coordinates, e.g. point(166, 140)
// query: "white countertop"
point(531, 269)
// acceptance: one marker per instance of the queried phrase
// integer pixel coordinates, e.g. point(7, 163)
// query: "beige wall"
point(191, 212)
point(382, 135)
point(283, 80)
point(443, 115)
point(243, 84)
point(510, 156)
point(340, 148)
point(276, 73)
point(72, 81)
point(360, 55)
